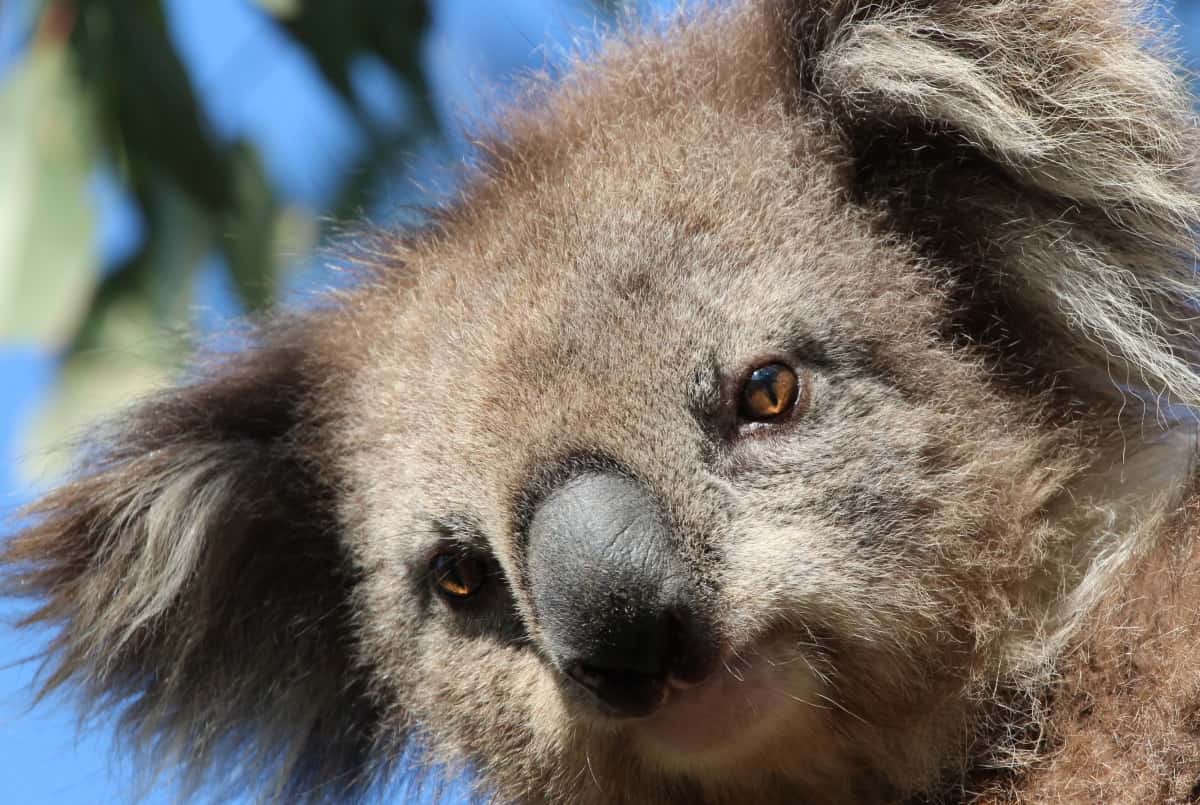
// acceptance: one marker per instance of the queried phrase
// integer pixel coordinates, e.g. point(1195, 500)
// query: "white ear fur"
point(196, 577)
point(1117, 512)
point(1095, 238)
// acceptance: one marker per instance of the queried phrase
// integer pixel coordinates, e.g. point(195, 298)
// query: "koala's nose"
point(618, 610)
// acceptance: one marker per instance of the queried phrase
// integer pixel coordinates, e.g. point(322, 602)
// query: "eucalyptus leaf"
point(280, 8)
point(150, 115)
point(248, 232)
point(121, 335)
point(135, 335)
point(47, 266)
point(128, 359)
point(335, 34)
point(296, 234)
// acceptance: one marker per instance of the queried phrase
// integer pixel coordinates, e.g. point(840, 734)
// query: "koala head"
point(743, 432)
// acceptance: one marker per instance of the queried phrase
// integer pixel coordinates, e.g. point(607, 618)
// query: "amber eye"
point(769, 393)
point(458, 576)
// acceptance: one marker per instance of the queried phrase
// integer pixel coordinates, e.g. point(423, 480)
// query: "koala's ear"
point(196, 577)
point(1041, 151)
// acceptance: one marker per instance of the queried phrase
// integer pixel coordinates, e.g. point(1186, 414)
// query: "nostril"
point(626, 693)
point(694, 652)
point(632, 667)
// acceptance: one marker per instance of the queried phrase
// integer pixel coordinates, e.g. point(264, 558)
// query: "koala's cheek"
point(779, 581)
point(473, 692)
point(812, 580)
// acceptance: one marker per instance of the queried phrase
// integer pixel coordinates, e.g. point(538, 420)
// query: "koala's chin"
point(797, 405)
point(729, 719)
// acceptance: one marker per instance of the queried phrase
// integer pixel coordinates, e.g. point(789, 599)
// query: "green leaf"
point(259, 236)
point(132, 339)
point(151, 119)
point(128, 359)
point(47, 266)
point(334, 34)
point(248, 232)
point(280, 8)
point(295, 235)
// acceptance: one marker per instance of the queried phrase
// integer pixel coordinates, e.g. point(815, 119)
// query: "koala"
point(797, 405)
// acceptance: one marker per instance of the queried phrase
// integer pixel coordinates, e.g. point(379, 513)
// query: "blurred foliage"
point(46, 276)
point(102, 82)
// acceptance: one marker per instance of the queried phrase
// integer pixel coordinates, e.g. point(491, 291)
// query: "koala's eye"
point(457, 575)
point(769, 393)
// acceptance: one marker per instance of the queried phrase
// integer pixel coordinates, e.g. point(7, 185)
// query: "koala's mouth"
point(730, 715)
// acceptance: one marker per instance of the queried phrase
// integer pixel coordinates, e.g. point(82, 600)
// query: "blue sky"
point(255, 85)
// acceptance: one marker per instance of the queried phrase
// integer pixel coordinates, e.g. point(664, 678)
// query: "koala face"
point(752, 429)
point(715, 504)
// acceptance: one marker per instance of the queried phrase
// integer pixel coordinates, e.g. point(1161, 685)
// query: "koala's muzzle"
point(618, 609)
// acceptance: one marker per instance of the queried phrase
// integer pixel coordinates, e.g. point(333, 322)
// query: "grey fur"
point(970, 224)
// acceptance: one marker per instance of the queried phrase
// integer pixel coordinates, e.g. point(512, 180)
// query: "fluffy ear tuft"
point(1038, 149)
point(195, 574)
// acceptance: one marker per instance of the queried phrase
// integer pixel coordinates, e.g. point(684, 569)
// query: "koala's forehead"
point(579, 315)
point(552, 345)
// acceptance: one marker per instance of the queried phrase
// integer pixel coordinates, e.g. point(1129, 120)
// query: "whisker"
point(843, 708)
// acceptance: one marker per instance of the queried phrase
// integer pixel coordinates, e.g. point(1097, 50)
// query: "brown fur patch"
point(1125, 724)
